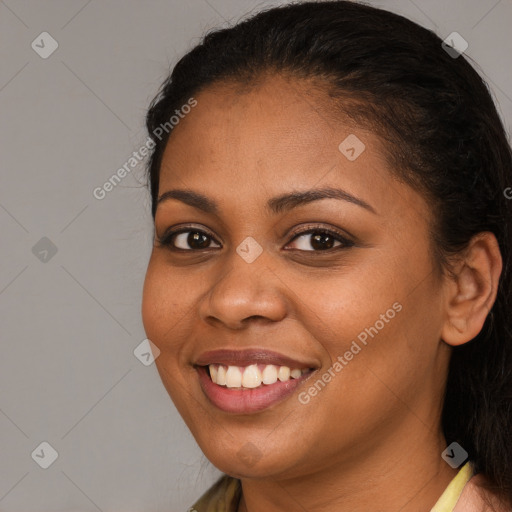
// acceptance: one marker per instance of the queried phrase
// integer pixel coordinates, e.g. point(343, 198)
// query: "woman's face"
point(362, 306)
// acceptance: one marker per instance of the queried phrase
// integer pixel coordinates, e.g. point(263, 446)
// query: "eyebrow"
point(278, 204)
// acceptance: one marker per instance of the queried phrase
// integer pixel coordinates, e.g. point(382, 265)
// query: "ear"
point(470, 294)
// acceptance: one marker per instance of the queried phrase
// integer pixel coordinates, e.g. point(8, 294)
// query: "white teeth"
point(221, 376)
point(213, 372)
point(295, 373)
point(284, 373)
point(233, 377)
point(269, 374)
point(252, 376)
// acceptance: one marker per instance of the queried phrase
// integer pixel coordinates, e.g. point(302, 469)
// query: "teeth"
point(295, 373)
point(233, 377)
point(269, 374)
point(221, 375)
point(213, 372)
point(284, 373)
point(252, 376)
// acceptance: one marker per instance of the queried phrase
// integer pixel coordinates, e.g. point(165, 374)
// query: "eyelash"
point(166, 240)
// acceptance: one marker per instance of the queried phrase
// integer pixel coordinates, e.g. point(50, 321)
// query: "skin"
point(371, 439)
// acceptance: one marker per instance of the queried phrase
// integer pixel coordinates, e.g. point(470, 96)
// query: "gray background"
point(70, 324)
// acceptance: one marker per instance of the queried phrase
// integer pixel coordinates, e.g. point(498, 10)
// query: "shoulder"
point(472, 498)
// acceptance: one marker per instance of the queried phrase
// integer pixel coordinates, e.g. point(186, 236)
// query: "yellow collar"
point(450, 496)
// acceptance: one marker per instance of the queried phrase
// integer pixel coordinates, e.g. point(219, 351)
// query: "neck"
point(407, 475)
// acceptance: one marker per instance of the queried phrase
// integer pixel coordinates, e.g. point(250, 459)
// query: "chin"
point(246, 460)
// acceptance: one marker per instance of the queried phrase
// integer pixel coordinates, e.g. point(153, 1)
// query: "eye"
point(321, 239)
point(179, 239)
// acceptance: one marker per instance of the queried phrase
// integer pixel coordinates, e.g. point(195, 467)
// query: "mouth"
point(252, 388)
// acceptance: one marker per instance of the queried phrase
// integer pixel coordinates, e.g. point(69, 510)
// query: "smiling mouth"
point(252, 376)
point(250, 389)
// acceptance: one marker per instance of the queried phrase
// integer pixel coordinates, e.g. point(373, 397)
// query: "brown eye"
point(321, 240)
point(195, 239)
point(187, 240)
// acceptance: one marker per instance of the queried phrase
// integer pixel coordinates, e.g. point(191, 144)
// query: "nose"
point(243, 293)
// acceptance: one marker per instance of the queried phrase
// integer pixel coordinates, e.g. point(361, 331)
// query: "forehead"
point(272, 137)
point(273, 120)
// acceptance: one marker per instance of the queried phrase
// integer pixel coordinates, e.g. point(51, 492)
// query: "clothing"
point(451, 494)
point(224, 495)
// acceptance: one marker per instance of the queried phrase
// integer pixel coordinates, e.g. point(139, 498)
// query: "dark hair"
point(443, 136)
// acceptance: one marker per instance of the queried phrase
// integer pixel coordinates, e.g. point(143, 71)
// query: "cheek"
point(164, 311)
point(166, 300)
point(384, 318)
point(169, 302)
point(153, 300)
point(341, 307)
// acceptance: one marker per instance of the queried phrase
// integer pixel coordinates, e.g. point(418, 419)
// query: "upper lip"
point(246, 357)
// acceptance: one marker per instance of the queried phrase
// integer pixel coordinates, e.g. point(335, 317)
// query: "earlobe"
point(471, 292)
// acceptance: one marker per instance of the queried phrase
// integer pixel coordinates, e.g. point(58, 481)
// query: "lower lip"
point(244, 401)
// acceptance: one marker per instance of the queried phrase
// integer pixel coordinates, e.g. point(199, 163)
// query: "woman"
point(329, 287)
